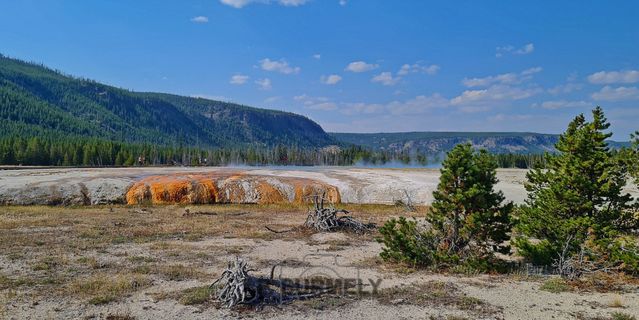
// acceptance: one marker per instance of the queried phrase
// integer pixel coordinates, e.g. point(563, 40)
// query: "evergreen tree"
point(467, 211)
point(578, 197)
point(468, 220)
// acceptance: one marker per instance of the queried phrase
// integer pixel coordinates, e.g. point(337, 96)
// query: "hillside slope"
point(439, 142)
point(37, 101)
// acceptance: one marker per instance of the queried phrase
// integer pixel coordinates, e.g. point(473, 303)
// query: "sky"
point(354, 65)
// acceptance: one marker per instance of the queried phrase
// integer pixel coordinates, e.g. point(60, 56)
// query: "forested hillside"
point(441, 142)
point(36, 101)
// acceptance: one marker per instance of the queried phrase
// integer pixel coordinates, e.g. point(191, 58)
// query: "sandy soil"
point(356, 185)
point(144, 263)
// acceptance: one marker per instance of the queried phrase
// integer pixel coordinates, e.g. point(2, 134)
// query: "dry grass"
point(179, 272)
point(195, 296)
point(102, 289)
point(616, 302)
point(100, 254)
point(606, 282)
point(435, 294)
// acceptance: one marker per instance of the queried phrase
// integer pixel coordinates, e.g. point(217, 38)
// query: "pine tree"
point(467, 211)
point(119, 159)
point(577, 197)
point(468, 220)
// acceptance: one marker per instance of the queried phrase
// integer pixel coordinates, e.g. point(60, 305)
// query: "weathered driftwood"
point(236, 286)
point(327, 219)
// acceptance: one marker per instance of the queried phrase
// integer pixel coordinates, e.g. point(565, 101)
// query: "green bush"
point(405, 243)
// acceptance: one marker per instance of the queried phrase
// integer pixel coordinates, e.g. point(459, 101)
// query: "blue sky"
point(354, 65)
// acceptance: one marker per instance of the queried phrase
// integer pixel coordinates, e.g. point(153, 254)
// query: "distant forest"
point(42, 151)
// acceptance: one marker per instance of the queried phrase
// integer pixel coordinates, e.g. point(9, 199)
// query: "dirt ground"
point(124, 262)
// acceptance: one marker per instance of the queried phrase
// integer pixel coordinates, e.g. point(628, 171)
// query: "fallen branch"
point(327, 219)
point(276, 231)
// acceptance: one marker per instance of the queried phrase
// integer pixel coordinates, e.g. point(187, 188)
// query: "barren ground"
point(355, 185)
point(124, 262)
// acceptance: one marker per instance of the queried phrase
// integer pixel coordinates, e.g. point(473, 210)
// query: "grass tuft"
point(555, 285)
point(622, 316)
point(195, 296)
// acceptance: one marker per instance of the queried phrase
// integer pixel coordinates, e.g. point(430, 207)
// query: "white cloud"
point(472, 100)
point(500, 117)
point(362, 108)
point(316, 103)
point(238, 4)
point(415, 68)
point(200, 19)
point(505, 78)
point(419, 104)
point(559, 104)
point(280, 66)
point(331, 79)
point(360, 66)
point(324, 106)
point(474, 108)
point(526, 49)
point(529, 48)
point(609, 93)
point(292, 3)
point(317, 56)
point(272, 99)
point(608, 77)
point(239, 79)
point(302, 97)
point(342, 2)
point(530, 71)
point(308, 100)
point(565, 88)
point(386, 78)
point(500, 50)
point(264, 84)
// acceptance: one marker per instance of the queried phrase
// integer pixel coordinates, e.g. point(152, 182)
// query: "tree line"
point(56, 151)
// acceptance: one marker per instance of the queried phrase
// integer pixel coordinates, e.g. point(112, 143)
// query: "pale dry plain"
point(156, 262)
point(355, 185)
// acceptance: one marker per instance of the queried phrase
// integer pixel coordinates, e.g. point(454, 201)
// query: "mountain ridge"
point(39, 101)
point(436, 142)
